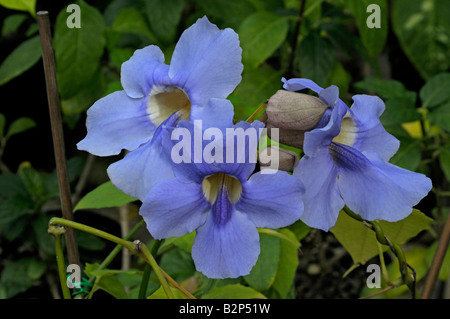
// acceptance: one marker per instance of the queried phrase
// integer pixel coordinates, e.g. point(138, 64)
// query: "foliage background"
point(405, 62)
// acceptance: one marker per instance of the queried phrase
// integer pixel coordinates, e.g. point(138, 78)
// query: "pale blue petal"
point(375, 189)
point(116, 122)
point(143, 70)
point(322, 201)
point(206, 62)
point(371, 135)
point(272, 200)
point(226, 250)
point(174, 208)
point(216, 113)
point(298, 84)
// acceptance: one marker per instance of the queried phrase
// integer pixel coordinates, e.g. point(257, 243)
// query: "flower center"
point(347, 135)
point(164, 101)
point(216, 183)
point(222, 191)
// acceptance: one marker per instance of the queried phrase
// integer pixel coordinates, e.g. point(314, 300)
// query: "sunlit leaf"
point(235, 291)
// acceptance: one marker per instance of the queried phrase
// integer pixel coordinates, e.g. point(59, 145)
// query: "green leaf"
point(12, 23)
point(36, 269)
point(178, 264)
point(440, 116)
point(130, 20)
point(287, 266)
point(21, 59)
point(435, 91)
point(22, 5)
point(263, 274)
point(20, 125)
point(164, 17)
point(111, 285)
point(386, 88)
point(261, 34)
point(316, 57)
point(400, 110)
point(44, 240)
point(235, 291)
point(14, 278)
point(105, 195)
point(361, 243)
point(444, 272)
point(408, 155)
point(444, 160)
point(423, 29)
point(33, 181)
point(161, 294)
point(89, 241)
point(78, 50)
point(256, 87)
point(2, 125)
point(231, 13)
point(373, 39)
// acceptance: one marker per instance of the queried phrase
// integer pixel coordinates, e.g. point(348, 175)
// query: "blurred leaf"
point(361, 243)
point(373, 39)
point(2, 125)
point(14, 278)
point(256, 87)
point(235, 291)
point(300, 229)
point(78, 51)
point(44, 240)
point(164, 17)
point(316, 57)
point(11, 185)
point(440, 116)
point(89, 241)
point(130, 20)
point(261, 34)
point(105, 195)
point(111, 285)
point(444, 160)
point(444, 272)
point(178, 264)
point(20, 125)
point(22, 5)
point(12, 23)
point(408, 155)
point(161, 294)
point(287, 267)
point(263, 274)
point(36, 269)
point(232, 13)
point(435, 91)
point(423, 29)
point(341, 78)
point(399, 110)
point(386, 88)
point(21, 59)
point(33, 181)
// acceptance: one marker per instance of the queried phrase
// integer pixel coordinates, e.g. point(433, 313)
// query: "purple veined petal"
point(322, 201)
point(376, 189)
point(298, 84)
point(206, 62)
point(226, 250)
point(143, 70)
point(143, 168)
point(174, 208)
point(370, 133)
point(321, 137)
point(272, 200)
point(116, 122)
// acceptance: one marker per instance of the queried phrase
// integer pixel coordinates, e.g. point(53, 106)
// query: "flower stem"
point(147, 271)
point(57, 232)
point(258, 110)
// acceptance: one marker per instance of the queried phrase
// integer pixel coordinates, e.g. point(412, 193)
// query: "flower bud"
point(294, 111)
point(275, 157)
point(288, 137)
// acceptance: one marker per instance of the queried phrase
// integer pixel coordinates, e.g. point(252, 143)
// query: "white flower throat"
point(164, 101)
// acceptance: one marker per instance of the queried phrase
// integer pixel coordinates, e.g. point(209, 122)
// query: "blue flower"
point(206, 63)
point(220, 199)
point(346, 163)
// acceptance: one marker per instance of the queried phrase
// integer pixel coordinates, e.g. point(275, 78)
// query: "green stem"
point(148, 271)
point(134, 247)
point(60, 261)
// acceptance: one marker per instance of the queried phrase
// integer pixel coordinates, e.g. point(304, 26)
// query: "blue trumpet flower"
point(346, 163)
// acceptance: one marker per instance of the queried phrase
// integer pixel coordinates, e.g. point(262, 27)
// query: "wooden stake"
point(57, 132)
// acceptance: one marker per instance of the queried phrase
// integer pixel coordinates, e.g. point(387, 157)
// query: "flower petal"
point(174, 208)
point(370, 134)
point(144, 167)
point(322, 201)
point(206, 62)
point(143, 70)
point(298, 84)
point(226, 250)
point(375, 189)
point(216, 113)
point(272, 200)
point(116, 122)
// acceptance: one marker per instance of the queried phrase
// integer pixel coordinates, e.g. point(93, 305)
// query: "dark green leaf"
point(444, 160)
point(12, 23)
point(373, 39)
point(316, 57)
point(14, 278)
point(398, 111)
point(423, 29)
point(130, 20)
point(287, 266)
point(408, 155)
point(385, 88)
point(261, 34)
point(89, 242)
point(78, 50)
point(440, 116)
point(178, 264)
point(235, 291)
point(20, 125)
point(232, 13)
point(45, 241)
point(435, 91)
point(105, 195)
point(33, 181)
point(2, 125)
point(164, 17)
point(21, 59)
